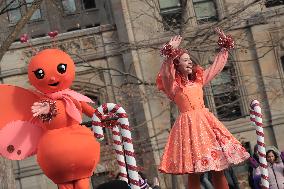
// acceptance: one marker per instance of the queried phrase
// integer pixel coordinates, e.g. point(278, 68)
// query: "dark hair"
point(275, 154)
point(255, 148)
point(114, 184)
point(191, 76)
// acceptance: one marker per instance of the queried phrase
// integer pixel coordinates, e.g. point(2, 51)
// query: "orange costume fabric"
point(67, 152)
point(198, 141)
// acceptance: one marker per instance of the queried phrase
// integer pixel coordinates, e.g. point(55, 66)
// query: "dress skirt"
point(199, 142)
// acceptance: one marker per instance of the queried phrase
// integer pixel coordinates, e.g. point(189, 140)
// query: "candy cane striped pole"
point(256, 119)
point(121, 138)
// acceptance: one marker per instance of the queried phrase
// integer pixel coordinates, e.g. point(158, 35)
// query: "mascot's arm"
point(87, 109)
point(19, 131)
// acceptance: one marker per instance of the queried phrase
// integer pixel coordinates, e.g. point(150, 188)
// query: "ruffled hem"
point(166, 171)
point(206, 164)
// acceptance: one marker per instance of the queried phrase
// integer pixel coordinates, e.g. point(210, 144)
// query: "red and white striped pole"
point(121, 138)
point(256, 119)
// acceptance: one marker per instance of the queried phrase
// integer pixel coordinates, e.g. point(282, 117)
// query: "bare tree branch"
point(7, 8)
point(18, 28)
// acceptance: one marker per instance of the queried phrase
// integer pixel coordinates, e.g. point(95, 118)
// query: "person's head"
point(185, 66)
point(271, 156)
point(143, 180)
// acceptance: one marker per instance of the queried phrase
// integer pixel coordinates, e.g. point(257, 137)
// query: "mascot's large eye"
point(61, 68)
point(39, 73)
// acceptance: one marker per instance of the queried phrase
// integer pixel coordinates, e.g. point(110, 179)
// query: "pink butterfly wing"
point(19, 139)
point(18, 135)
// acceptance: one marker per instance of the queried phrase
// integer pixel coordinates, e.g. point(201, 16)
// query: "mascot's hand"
point(40, 108)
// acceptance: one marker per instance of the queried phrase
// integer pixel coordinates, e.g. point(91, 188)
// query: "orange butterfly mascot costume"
point(47, 122)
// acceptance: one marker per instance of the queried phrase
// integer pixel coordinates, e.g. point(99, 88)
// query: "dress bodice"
point(190, 97)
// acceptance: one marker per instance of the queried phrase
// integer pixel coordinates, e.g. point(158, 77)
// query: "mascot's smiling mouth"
point(54, 84)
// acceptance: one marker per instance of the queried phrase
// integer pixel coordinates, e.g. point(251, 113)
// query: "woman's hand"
point(175, 41)
point(220, 32)
point(225, 41)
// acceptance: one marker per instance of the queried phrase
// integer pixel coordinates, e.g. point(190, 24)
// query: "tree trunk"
point(7, 180)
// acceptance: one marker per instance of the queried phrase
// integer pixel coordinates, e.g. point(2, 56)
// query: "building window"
point(89, 4)
point(37, 13)
point(226, 94)
point(273, 3)
point(169, 4)
point(205, 10)
point(170, 11)
point(69, 6)
point(14, 13)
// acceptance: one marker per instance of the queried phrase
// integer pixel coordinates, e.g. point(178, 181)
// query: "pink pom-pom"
point(53, 34)
point(169, 52)
point(52, 111)
point(166, 50)
point(226, 42)
point(24, 38)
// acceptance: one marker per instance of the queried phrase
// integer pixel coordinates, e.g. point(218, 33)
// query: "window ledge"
point(79, 12)
point(91, 10)
point(170, 10)
point(35, 21)
point(206, 20)
point(29, 22)
point(66, 14)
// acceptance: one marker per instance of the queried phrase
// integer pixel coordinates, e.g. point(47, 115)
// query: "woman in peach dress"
point(198, 141)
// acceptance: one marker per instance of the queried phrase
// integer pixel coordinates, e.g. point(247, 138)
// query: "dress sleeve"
point(166, 79)
point(216, 67)
point(257, 171)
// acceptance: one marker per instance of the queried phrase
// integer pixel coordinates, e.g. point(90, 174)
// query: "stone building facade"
point(115, 44)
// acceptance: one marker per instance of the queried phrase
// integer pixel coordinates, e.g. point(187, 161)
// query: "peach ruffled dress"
point(198, 141)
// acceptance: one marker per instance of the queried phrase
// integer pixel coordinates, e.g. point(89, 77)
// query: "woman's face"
point(185, 65)
point(270, 157)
